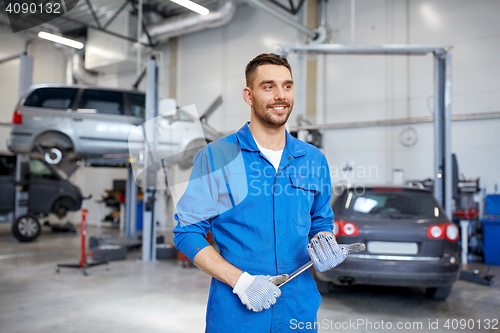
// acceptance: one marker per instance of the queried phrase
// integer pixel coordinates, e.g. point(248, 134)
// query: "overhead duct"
point(187, 23)
point(315, 36)
point(76, 73)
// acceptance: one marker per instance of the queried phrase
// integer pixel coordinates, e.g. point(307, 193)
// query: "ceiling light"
point(60, 40)
point(193, 6)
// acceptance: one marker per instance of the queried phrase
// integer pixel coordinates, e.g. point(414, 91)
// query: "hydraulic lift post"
point(22, 195)
point(149, 225)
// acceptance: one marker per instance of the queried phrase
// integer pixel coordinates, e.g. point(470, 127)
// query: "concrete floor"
point(132, 296)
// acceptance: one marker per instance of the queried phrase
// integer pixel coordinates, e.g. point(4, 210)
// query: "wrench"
point(355, 247)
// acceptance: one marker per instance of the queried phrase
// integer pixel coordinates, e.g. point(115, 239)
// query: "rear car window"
point(393, 204)
point(53, 98)
point(138, 105)
point(102, 101)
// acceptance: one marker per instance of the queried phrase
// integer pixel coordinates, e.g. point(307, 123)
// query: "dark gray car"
point(48, 192)
point(409, 240)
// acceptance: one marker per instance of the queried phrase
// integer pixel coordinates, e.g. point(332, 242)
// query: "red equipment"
point(468, 214)
point(83, 265)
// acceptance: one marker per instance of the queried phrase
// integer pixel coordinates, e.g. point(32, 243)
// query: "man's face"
point(271, 95)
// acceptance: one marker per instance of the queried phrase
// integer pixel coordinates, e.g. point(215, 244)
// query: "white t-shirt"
point(274, 156)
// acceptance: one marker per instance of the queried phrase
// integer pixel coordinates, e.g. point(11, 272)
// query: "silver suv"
point(73, 122)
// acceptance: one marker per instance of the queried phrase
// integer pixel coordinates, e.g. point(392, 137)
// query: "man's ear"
point(247, 95)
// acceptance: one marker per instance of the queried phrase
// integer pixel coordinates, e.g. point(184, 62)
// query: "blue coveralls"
point(265, 232)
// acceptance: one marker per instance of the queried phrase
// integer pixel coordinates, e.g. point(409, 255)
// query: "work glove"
point(325, 253)
point(258, 292)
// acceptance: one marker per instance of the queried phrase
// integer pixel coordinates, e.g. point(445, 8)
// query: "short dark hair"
point(264, 59)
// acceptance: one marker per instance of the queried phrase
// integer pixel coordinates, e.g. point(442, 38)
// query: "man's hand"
point(257, 292)
point(325, 253)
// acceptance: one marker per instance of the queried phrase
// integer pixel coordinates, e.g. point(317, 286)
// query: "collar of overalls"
point(293, 147)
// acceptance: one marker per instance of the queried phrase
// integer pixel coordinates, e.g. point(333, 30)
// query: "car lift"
point(28, 225)
point(22, 194)
point(149, 238)
point(442, 103)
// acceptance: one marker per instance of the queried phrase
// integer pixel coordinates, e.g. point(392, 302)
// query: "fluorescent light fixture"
point(60, 40)
point(193, 6)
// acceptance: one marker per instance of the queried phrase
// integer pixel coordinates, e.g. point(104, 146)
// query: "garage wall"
point(125, 80)
point(212, 63)
point(96, 181)
point(361, 88)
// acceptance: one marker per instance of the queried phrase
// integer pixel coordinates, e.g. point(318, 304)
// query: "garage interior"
point(393, 92)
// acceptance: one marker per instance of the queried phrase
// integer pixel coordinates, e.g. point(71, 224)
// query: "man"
point(263, 224)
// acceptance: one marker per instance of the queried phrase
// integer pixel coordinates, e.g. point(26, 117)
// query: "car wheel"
point(26, 228)
point(109, 252)
point(62, 206)
point(53, 156)
point(166, 251)
point(189, 154)
point(95, 241)
point(54, 146)
point(439, 293)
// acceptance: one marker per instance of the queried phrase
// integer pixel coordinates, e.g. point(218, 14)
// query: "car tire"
point(26, 228)
point(160, 239)
point(95, 241)
point(54, 146)
point(166, 251)
point(189, 154)
point(438, 293)
point(62, 206)
point(53, 155)
point(110, 252)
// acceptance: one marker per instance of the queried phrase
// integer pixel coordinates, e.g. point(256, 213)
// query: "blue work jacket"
point(261, 220)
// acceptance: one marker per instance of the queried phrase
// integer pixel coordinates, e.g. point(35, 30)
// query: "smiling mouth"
point(279, 108)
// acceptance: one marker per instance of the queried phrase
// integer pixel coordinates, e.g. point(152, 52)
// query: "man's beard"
point(266, 116)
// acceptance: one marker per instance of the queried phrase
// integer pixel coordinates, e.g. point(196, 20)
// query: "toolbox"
point(491, 235)
point(492, 205)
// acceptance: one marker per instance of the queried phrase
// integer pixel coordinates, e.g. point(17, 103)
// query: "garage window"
point(110, 102)
point(53, 98)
